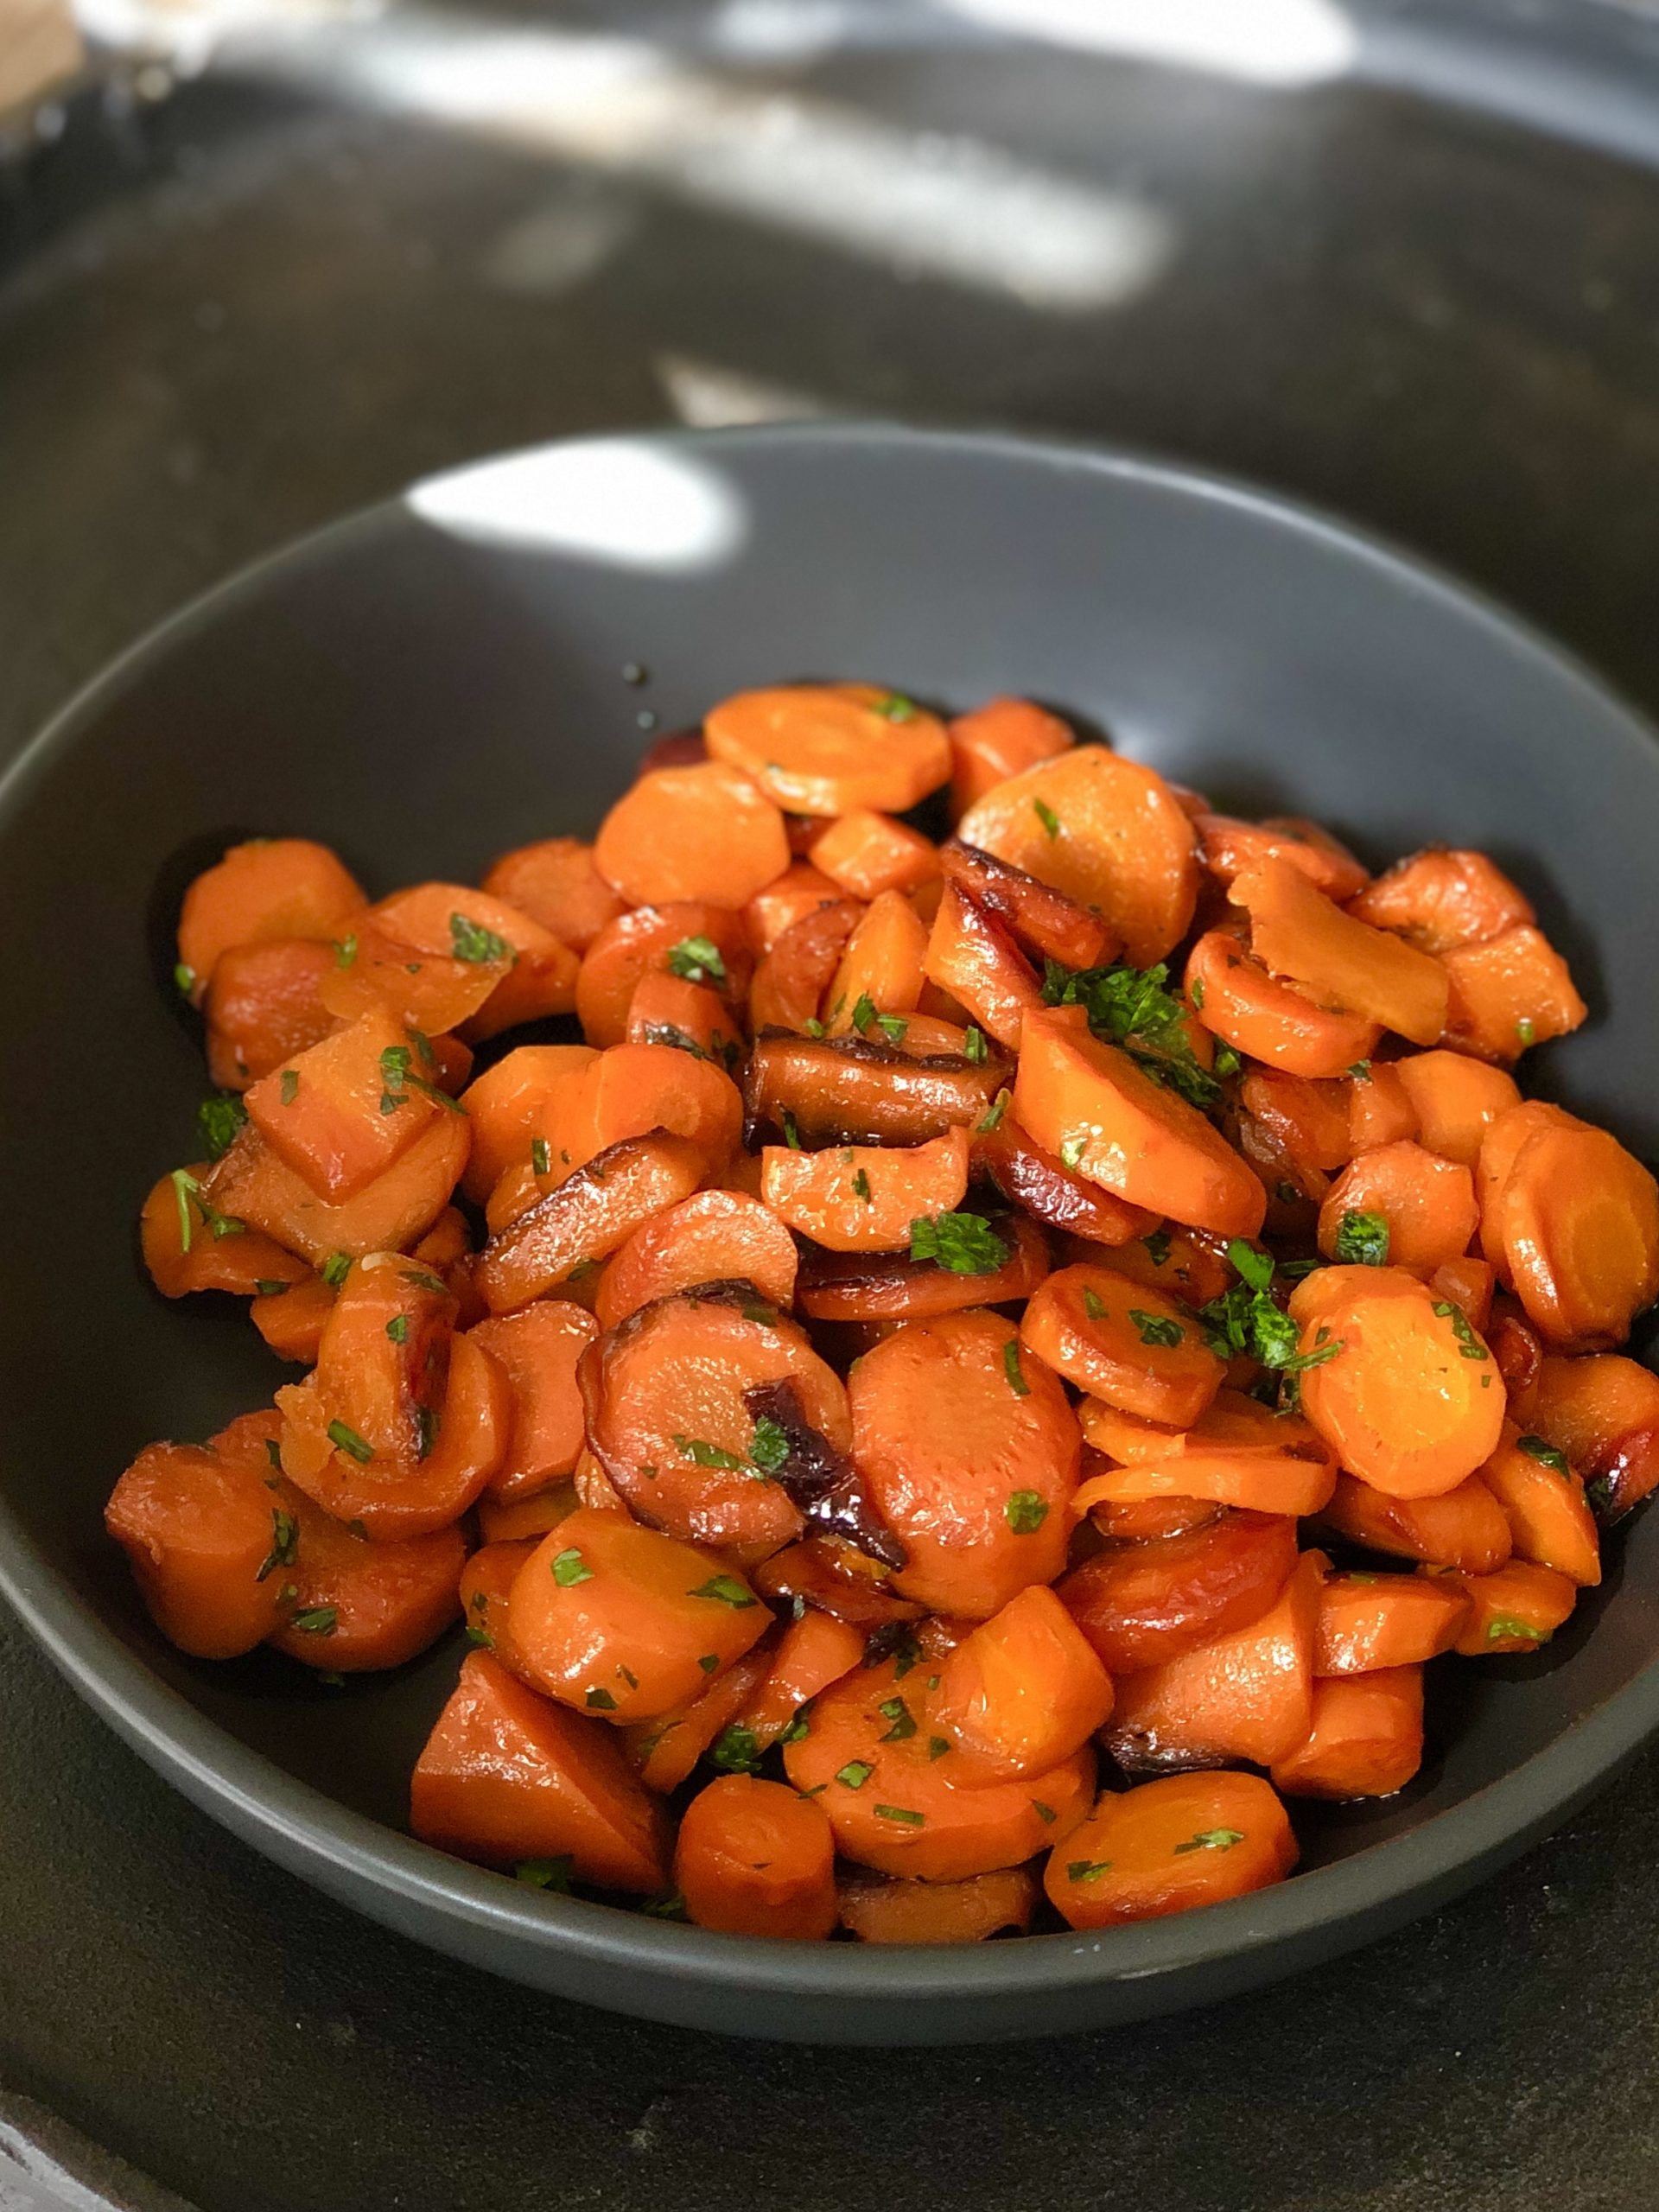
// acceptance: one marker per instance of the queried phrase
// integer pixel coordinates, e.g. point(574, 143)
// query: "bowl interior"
point(445, 678)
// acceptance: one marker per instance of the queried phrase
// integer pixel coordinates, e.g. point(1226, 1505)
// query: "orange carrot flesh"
point(889, 1909)
point(532, 1103)
point(264, 1005)
point(1136, 1349)
point(1301, 935)
point(1237, 1452)
point(1517, 1607)
point(970, 955)
point(1171, 1846)
point(1464, 1527)
point(251, 1185)
point(556, 883)
point(198, 1531)
point(664, 1751)
point(189, 1246)
point(1543, 1499)
point(712, 1237)
point(679, 935)
point(341, 1113)
point(1042, 920)
point(885, 1287)
point(1456, 1100)
point(997, 740)
point(1439, 899)
point(271, 888)
point(1140, 1604)
point(880, 970)
point(826, 749)
point(358, 1607)
point(755, 1858)
point(538, 1350)
point(788, 898)
point(812, 1652)
point(292, 1321)
point(1426, 1204)
point(1576, 1222)
point(864, 853)
point(699, 832)
point(793, 979)
point(1228, 846)
point(693, 1018)
point(1509, 994)
point(587, 1218)
point(507, 1520)
point(1368, 1622)
point(1022, 1692)
point(1603, 1413)
point(485, 1589)
point(1381, 1110)
point(1311, 1120)
point(1025, 1174)
point(852, 1090)
point(535, 974)
point(864, 1197)
point(1366, 1740)
point(1269, 1019)
point(1188, 1268)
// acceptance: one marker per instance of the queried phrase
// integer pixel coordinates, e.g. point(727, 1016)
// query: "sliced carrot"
point(269, 887)
point(1137, 1350)
point(1091, 1103)
point(1515, 1347)
point(1247, 1694)
point(189, 1246)
point(1042, 918)
point(358, 1607)
point(383, 1361)
point(1440, 900)
point(1592, 1409)
point(292, 1321)
point(617, 1620)
point(1144, 1520)
point(845, 1089)
point(833, 1578)
point(881, 969)
point(1468, 1283)
point(1456, 1100)
point(371, 970)
point(693, 1018)
point(1500, 1149)
point(587, 1217)
point(533, 1097)
point(1109, 832)
point(1366, 1740)
point(1509, 993)
point(828, 748)
point(853, 1287)
point(1576, 1226)
point(864, 854)
point(539, 1347)
point(664, 1752)
point(889, 1909)
point(1368, 1622)
point(1237, 1452)
point(341, 1113)
point(789, 898)
point(505, 1521)
point(868, 1758)
point(713, 1236)
point(264, 1005)
point(557, 884)
point(634, 1090)
point(1310, 1121)
point(485, 1590)
point(1269, 1019)
point(1022, 1692)
point(699, 832)
point(755, 1858)
point(1426, 1204)
point(1543, 1501)
point(1228, 846)
point(864, 1197)
point(1464, 1528)
point(208, 1546)
point(998, 740)
point(1188, 1267)
point(973, 957)
point(1303, 937)
point(1381, 1109)
point(706, 943)
point(793, 979)
point(1025, 1174)
point(506, 1778)
point(448, 920)
point(971, 1455)
point(812, 1652)
point(1516, 1608)
point(251, 1183)
point(1170, 1847)
point(1140, 1604)
point(1409, 1400)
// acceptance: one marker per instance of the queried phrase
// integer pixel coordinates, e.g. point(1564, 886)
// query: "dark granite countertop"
point(234, 310)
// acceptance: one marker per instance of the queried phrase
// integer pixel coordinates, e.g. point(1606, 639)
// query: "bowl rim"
point(312, 1835)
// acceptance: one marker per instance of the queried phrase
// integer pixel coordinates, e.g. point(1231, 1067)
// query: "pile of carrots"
point(995, 1363)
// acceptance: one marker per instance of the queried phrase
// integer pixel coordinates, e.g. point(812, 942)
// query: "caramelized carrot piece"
point(664, 1751)
point(1310, 1121)
point(1381, 1110)
point(1107, 832)
point(692, 1017)
point(1169, 1847)
point(1516, 1608)
point(1575, 1222)
point(1426, 1204)
point(998, 740)
point(1303, 937)
point(833, 1578)
point(1456, 1100)
point(557, 884)
point(292, 1321)
point(1228, 846)
point(971, 1456)
point(587, 1217)
point(713, 1236)
point(506, 1778)
point(864, 1197)
point(1236, 1454)
point(700, 832)
point(539, 1349)
point(634, 1090)
point(1042, 918)
point(888, 1908)
point(358, 1607)
point(868, 1757)
point(1508, 994)
point(1022, 1692)
point(1500, 1149)
point(1135, 1349)
point(788, 898)
point(812, 1652)
point(851, 1287)
point(1141, 1604)
point(1189, 1268)
point(208, 1544)
point(1543, 1501)
point(703, 943)
point(880, 970)
point(1366, 1740)
point(538, 973)
point(372, 971)
point(793, 979)
point(1025, 1174)
point(485, 1589)
point(251, 1183)
point(864, 854)
point(617, 1620)
point(1603, 1413)
point(1369, 1623)
point(848, 1090)
point(1091, 1103)
point(532, 1103)
point(269, 888)
point(1409, 1400)
point(507, 1520)
point(1439, 899)
point(341, 1113)
point(828, 748)
point(972, 955)
point(188, 1245)
point(1269, 1019)
point(1248, 1694)
point(1464, 1527)
point(1144, 1520)
point(383, 1361)
point(1468, 1283)
point(756, 1859)
point(263, 1005)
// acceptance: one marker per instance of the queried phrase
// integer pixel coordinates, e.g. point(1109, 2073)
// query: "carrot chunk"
point(665, 1752)
point(865, 1198)
point(713, 1236)
point(1270, 1020)
point(1042, 918)
point(1464, 1527)
point(1141, 1604)
point(1137, 1350)
point(1509, 993)
point(812, 1652)
point(263, 1005)
point(1368, 1622)
point(251, 1185)
point(208, 1545)
point(1603, 1413)
point(535, 974)
point(1456, 1100)
point(754, 1858)
point(292, 1321)
point(1366, 1740)
point(1228, 846)
point(532, 1105)
point(828, 748)
point(972, 955)
point(1439, 899)
point(269, 888)
point(1301, 935)
point(885, 1288)
point(557, 884)
point(881, 969)
point(848, 1090)
point(693, 1018)
point(864, 853)
point(1022, 1692)
point(342, 1112)
point(889, 1909)
point(998, 740)
point(188, 1245)
point(1028, 1175)
point(539, 1349)
point(793, 979)
point(587, 1218)
point(356, 1606)
point(1237, 1452)
point(788, 898)
point(1170, 1847)
point(704, 943)
point(1516, 1608)
point(1425, 1206)
point(700, 832)
point(1575, 1225)
point(1543, 1501)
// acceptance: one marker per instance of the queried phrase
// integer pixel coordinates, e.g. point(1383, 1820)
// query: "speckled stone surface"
point(233, 315)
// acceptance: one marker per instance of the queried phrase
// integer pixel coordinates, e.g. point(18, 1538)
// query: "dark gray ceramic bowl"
point(441, 678)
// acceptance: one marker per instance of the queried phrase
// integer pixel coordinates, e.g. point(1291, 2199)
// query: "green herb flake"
point(902, 1813)
point(965, 1244)
point(274, 1453)
point(1072, 1149)
point(1546, 1454)
point(814, 1026)
point(864, 1013)
point(1362, 1240)
point(270, 1287)
point(1525, 1031)
point(1254, 1267)
point(221, 1121)
point(540, 1160)
point(319, 1620)
point(347, 1441)
point(345, 952)
point(1135, 1009)
point(904, 1721)
point(697, 959)
point(1503, 1626)
point(1227, 1061)
point(937, 1747)
point(769, 1445)
point(1195, 992)
point(184, 980)
point(854, 1774)
point(736, 1751)
point(724, 1590)
point(1047, 816)
point(893, 1027)
point(569, 1568)
point(704, 1455)
point(471, 941)
point(600, 1700)
point(480, 1637)
point(1087, 1870)
point(284, 1540)
point(398, 1328)
point(1212, 1840)
point(426, 1431)
point(709, 1661)
point(545, 1873)
point(973, 1046)
point(1093, 1304)
point(992, 1117)
point(893, 706)
point(862, 1186)
point(670, 1906)
point(1158, 1247)
point(1026, 1511)
point(336, 1268)
point(290, 1086)
point(1045, 1813)
point(1011, 1369)
point(1469, 1345)
point(791, 1131)
point(1160, 1329)
point(1360, 1070)
point(799, 1728)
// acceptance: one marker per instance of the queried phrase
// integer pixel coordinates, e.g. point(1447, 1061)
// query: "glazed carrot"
point(1301, 936)
point(1409, 1400)
point(1456, 1100)
point(1247, 1694)
point(1575, 1222)
point(880, 970)
point(1171, 1846)
point(507, 1520)
point(1106, 831)
point(539, 1349)
point(997, 740)
point(971, 955)
point(538, 973)
point(188, 1245)
point(1381, 1109)
point(292, 1321)
point(485, 1590)
point(812, 1652)
point(1366, 1740)
point(851, 1287)
point(1310, 1121)
point(669, 1420)
point(693, 1018)
point(850, 1089)
point(1464, 1528)
point(1269, 1019)
point(971, 1455)
point(705, 943)
point(341, 1113)
point(1042, 920)
point(703, 832)
point(1228, 847)
point(507, 1779)
point(793, 979)
point(206, 1544)
point(357, 1607)
point(868, 1757)
point(1144, 1520)
point(1091, 1103)
point(1190, 1268)
point(1502, 1145)
point(269, 888)
point(1543, 1501)
point(1515, 1347)
point(633, 1090)
point(788, 898)
point(1135, 1349)
point(1372, 1621)
point(865, 1198)
point(1603, 1413)
point(833, 1578)
point(1425, 1204)
point(828, 748)
point(371, 970)
point(557, 884)
point(593, 1487)
point(1508, 994)
point(713, 1236)
point(1022, 1692)
point(1439, 899)
point(864, 853)
point(1025, 1174)
point(251, 1183)
point(664, 1752)
point(1141, 1604)
point(756, 1859)
point(1516, 1608)
point(383, 1364)
point(888, 1908)
point(1469, 1283)
point(263, 1004)
point(1236, 1454)
point(617, 1620)
point(587, 1217)
point(532, 1102)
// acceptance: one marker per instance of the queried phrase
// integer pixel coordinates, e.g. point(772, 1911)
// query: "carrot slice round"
point(1025, 1174)
point(1022, 1692)
point(1516, 1608)
point(1137, 1350)
point(1169, 1847)
point(556, 883)
point(539, 1349)
point(1544, 1503)
point(998, 740)
point(887, 1287)
point(1228, 846)
point(1272, 1020)
point(827, 748)
point(788, 898)
point(1577, 1223)
point(269, 887)
point(1426, 1204)
point(848, 1090)
point(587, 1218)
point(890, 1909)
point(355, 1606)
point(864, 854)
point(251, 1185)
point(1299, 934)
point(690, 938)
point(703, 832)
point(1366, 1740)
point(1142, 1604)
point(264, 1003)
point(1456, 1100)
point(712, 1237)
point(198, 1530)
point(1463, 1527)
point(864, 1197)
point(1368, 1622)
point(1439, 899)
point(755, 1858)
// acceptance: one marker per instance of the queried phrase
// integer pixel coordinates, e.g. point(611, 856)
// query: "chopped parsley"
point(184, 980)
point(398, 1328)
point(937, 1747)
point(863, 1014)
point(1093, 1304)
point(992, 1118)
point(318, 1620)
point(1360, 1070)
point(426, 1431)
point(1524, 1030)
point(336, 1268)
point(893, 706)
point(345, 952)
point(904, 1721)
point(284, 1540)
point(472, 942)
point(893, 1027)
point(862, 1186)
point(1087, 1870)
point(221, 1121)
point(269, 1286)
point(791, 1131)
point(736, 1749)
point(187, 1192)
point(973, 1046)
point(964, 1242)
point(709, 1455)
point(1012, 1370)
point(1158, 1247)
point(290, 1086)
point(769, 1445)
point(1072, 1149)
point(1026, 1511)
point(1047, 816)
point(347, 1441)
point(569, 1568)
point(1212, 1840)
point(1157, 1328)
point(540, 1161)
point(724, 1590)
point(1045, 1813)
point(1244, 1322)
point(800, 1726)
point(544, 1873)
point(902, 1813)
point(1135, 1009)
point(600, 1700)
point(1502, 1625)
point(1469, 1345)
point(1546, 1454)
point(1362, 1239)
point(697, 960)
point(854, 1774)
